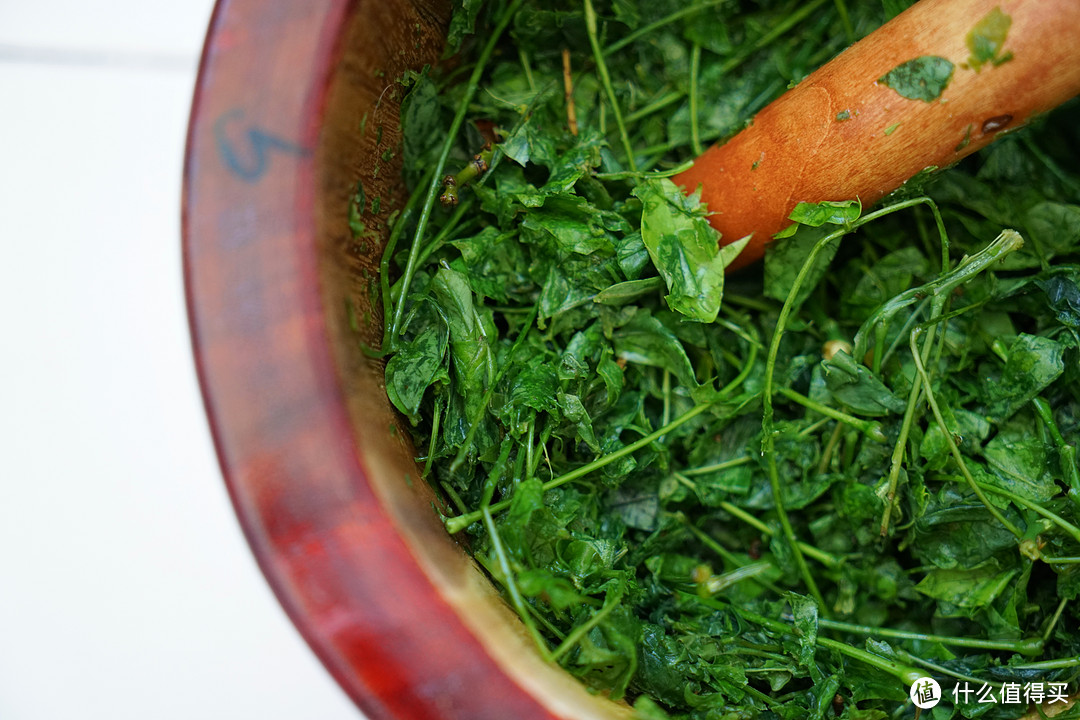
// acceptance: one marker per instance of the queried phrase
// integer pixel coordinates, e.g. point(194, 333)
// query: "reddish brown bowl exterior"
point(272, 386)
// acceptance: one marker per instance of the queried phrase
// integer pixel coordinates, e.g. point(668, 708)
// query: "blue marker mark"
point(251, 164)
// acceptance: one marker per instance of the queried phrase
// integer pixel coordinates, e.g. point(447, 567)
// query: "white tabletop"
point(126, 589)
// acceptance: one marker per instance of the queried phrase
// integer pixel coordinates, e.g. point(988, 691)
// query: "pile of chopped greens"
point(784, 493)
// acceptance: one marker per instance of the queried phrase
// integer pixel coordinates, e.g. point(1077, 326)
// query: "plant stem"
point(849, 31)
point(511, 586)
point(434, 437)
point(1018, 646)
point(582, 630)
point(768, 443)
point(944, 670)
point(777, 30)
point(1005, 243)
point(1059, 664)
point(527, 67)
point(949, 438)
point(896, 462)
point(695, 67)
point(436, 177)
point(666, 20)
point(726, 465)
point(605, 79)
point(905, 674)
point(459, 523)
point(627, 174)
point(820, 555)
point(1035, 507)
point(1054, 620)
point(658, 104)
point(1066, 452)
point(384, 268)
point(870, 429)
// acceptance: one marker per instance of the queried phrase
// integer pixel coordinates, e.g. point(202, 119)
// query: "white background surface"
point(126, 589)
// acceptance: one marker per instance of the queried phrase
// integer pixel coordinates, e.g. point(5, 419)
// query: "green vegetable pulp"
point(785, 493)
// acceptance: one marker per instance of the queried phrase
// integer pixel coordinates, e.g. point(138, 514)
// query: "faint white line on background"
point(69, 57)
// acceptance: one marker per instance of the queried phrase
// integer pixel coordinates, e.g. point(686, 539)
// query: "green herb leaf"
point(647, 341)
point(966, 589)
point(854, 386)
point(987, 38)
point(923, 78)
point(684, 247)
point(1034, 362)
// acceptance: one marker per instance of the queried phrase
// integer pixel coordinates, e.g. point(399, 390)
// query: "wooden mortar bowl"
point(280, 297)
point(319, 467)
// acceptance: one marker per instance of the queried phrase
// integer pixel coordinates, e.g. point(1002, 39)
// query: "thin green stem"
point(1061, 522)
point(1067, 179)
point(1018, 646)
point(944, 670)
point(1054, 620)
point(454, 497)
point(434, 438)
point(789, 22)
point(849, 30)
point(716, 467)
point(644, 174)
point(435, 183)
point(869, 428)
point(830, 448)
point(768, 434)
point(527, 67)
point(529, 449)
point(726, 555)
point(575, 635)
point(905, 674)
point(656, 105)
point(1058, 664)
point(820, 555)
point(605, 79)
point(665, 389)
point(666, 20)
point(896, 462)
point(812, 428)
point(695, 68)
point(1066, 452)
point(444, 232)
point(384, 267)
point(511, 586)
point(459, 523)
point(1008, 241)
point(916, 356)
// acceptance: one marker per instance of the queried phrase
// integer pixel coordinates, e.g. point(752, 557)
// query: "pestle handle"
point(884, 109)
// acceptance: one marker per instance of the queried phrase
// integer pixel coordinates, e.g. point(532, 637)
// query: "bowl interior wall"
point(381, 42)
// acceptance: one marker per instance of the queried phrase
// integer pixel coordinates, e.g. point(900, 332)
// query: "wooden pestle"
point(848, 131)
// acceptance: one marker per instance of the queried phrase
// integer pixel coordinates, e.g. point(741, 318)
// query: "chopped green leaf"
point(987, 39)
point(923, 78)
point(684, 247)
